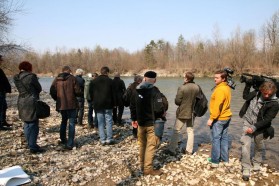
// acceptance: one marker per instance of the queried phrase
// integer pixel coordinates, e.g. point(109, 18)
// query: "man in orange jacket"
point(220, 116)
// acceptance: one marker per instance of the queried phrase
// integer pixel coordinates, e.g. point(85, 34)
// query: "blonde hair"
point(268, 86)
point(79, 71)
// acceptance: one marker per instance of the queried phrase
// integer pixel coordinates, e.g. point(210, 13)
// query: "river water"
point(168, 87)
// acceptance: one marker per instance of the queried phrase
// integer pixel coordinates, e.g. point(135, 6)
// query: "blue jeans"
point(3, 107)
point(220, 141)
point(105, 118)
point(31, 132)
point(71, 115)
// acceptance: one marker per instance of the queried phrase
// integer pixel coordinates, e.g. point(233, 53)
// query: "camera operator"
point(260, 108)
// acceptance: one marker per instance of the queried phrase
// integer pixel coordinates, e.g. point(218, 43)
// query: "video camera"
point(255, 81)
point(230, 80)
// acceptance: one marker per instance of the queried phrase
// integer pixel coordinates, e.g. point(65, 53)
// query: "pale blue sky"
point(50, 24)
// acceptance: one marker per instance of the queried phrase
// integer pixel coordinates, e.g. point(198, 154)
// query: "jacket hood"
point(63, 76)
point(21, 75)
point(145, 85)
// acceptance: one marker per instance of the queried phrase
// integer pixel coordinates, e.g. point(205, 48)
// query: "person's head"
point(116, 74)
point(189, 77)
point(150, 76)
point(94, 75)
point(79, 72)
point(25, 66)
point(66, 69)
point(268, 89)
point(89, 75)
point(138, 78)
point(220, 76)
point(105, 70)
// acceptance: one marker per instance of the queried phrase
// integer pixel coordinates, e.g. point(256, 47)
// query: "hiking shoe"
point(256, 167)
point(152, 172)
point(112, 142)
point(246, 174)
point(35, 151)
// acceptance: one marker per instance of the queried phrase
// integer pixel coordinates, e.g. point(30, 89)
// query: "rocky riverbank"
point(89, 163)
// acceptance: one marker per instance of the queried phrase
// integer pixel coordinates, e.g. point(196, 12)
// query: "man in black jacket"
point(143, 114)
point(260, 108)
point(102, 95)
point(119, 89)
point(4, 88)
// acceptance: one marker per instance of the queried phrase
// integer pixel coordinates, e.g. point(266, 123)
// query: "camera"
point(230, 80)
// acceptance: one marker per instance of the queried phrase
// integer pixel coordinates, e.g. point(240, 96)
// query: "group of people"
point(101, 93)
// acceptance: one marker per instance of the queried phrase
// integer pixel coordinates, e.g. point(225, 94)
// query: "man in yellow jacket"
point(220, 116)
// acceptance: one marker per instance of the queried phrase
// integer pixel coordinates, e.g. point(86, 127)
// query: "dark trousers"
point(3, 107)
point(80, 110)
point(117, 116)
point(71, 116)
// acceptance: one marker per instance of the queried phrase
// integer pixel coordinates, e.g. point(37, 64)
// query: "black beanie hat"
point(150, 74)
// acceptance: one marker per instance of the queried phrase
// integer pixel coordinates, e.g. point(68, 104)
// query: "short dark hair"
point(268, 85)
point(138, 78)
point(66, 69)
point(25, 65)
point(104, 70)
point(224, 74)
point(190, 76)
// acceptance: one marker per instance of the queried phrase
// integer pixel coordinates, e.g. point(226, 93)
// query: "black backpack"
point(200, 106)
point(160, 103)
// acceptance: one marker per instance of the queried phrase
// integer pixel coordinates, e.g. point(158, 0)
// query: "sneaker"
point(246, 174)
point(152, 172)
point(111, 142)
point(213, 165)
point(256, 167)
point(68, 148)
point(103, 143)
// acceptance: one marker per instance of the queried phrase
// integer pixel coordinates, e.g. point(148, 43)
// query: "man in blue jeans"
point(220, 117)
point(102, 95)
point(64, 90)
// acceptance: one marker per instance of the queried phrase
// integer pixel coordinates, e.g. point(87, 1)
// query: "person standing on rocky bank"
point(102, 95)
point(143, 115)
point(4, 88)
point(64, 89)
point(29, 89)
point(119, 89)
point(219, 120)
point(260, 108)
point(185, 99)
point(80, 109)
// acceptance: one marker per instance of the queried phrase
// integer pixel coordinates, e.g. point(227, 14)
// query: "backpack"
point(160, 103)
point(200, 106)
point(127, 97)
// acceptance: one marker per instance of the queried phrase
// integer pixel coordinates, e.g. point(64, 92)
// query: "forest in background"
point(249, 51)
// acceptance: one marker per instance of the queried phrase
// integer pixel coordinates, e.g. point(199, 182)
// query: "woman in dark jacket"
point(29, 89)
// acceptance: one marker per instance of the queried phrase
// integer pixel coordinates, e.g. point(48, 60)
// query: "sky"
point(47, 25)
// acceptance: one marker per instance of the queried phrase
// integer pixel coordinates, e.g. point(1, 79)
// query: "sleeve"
point(217, 106)
point(53, 90)
point(36, 84)
point(179, 96)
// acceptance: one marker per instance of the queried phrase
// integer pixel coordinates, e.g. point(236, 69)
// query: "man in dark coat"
point(29, 89)
point(143, 115)
point(119, 89)
point(260, 108)
point(65, 89)
point(102, 95)
point(80, 109)
point(4, 88)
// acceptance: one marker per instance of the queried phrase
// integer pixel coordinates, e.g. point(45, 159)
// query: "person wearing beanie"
point(144, 116)
point(29, 89)
point(4, 88)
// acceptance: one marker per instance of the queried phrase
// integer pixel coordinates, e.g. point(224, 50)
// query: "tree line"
point(248, 51)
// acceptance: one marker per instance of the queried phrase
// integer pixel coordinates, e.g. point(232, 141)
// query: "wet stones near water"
point(92, 164)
